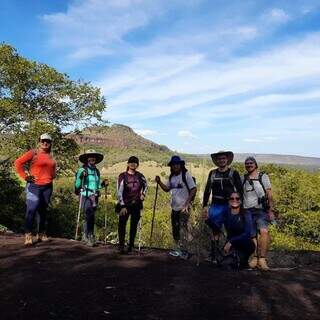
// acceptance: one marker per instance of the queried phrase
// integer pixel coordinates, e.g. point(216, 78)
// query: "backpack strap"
point(212, 174)
point(230, 178)
point(260, 180)
point(231, 172)
point(245, 179)
point(184, 179)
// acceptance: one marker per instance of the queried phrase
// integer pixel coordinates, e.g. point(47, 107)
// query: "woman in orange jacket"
point(39, 174)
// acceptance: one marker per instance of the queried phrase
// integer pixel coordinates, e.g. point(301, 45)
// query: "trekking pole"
point(140, 227)
point(105, 214)
point(154, 211)
point(79, 211)
point(78, 217)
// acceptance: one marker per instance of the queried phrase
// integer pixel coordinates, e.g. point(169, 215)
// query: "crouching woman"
point(238, 225)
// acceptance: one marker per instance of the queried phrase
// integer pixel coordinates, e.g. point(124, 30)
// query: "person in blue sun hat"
point(182, 188)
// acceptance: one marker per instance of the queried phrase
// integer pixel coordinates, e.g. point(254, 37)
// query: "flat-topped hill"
point(115, 136)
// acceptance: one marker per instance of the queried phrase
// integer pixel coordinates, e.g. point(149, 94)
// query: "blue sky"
point(195, 75)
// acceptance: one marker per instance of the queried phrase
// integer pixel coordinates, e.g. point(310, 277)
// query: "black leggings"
point(134, 212)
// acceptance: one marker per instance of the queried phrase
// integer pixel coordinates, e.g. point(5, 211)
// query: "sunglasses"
point(234, 198)
point(249, 163)
point(45, 141)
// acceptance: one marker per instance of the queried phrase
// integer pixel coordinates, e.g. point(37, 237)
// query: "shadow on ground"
point(64, 279)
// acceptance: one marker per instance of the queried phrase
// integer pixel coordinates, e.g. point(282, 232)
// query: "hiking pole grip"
point(140, 227)
point(154, 211)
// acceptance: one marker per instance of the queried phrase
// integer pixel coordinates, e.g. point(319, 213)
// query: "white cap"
point(45, 136)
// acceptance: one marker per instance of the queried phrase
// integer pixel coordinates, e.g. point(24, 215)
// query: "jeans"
point(38, 199)
point(90, 206)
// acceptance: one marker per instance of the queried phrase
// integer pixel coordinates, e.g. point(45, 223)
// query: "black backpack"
point(213, 177)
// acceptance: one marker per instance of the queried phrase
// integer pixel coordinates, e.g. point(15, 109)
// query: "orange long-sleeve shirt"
point(42, 166)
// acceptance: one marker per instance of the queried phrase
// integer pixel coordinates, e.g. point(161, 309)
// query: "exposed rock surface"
point(65, 279)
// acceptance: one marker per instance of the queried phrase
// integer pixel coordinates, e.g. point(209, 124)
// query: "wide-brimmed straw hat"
point(91, 154)
point(176, 160)
point(228, 154)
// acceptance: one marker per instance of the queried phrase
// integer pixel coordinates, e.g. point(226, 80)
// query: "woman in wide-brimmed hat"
point(221, 182)
point(87, 186)
point(39, 177)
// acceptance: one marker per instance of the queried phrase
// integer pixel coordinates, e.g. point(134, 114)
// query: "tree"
point(35, 98)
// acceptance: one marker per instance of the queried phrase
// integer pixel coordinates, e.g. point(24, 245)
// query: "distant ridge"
point(122, 139)
point(279, 158)
point(115, 136)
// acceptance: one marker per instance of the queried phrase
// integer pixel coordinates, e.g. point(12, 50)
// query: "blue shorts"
point(260, 220)
point(215, 213)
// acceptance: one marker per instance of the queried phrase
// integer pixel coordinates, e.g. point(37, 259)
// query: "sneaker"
point(211, 258)
point(84, 238)
point(175, 253)
point(91, 241)
point(28, 241)
point(121, 250)
point(185, 255)
point(42, 237)
point(262, 264)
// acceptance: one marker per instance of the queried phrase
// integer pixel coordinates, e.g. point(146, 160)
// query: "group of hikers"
point(241, 207)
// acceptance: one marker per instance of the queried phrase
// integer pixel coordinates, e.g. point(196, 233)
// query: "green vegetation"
point(296, 194)
point(35, 98)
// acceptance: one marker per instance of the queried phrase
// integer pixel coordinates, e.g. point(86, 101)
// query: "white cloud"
point(252, 140)
point(260, 139)
point(186, 134)
point(194, 70)
point(205, 82)
point(145, 132)
point(95, 27)
point(279, 16)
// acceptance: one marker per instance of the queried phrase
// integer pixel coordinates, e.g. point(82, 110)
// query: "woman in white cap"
point(38, 168)
point(87, 186)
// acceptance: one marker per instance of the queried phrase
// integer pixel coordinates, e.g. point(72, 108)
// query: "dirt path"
point(67, 280)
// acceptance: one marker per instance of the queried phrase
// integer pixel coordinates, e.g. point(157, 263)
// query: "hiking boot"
point(262, 264)
point(91, 241)
point(175, 253)
point(185, 255)
point(28, 241)
point(84, 238)
point(121, 249)
point(253, 262)
point(42, 237)
point(129, 249)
